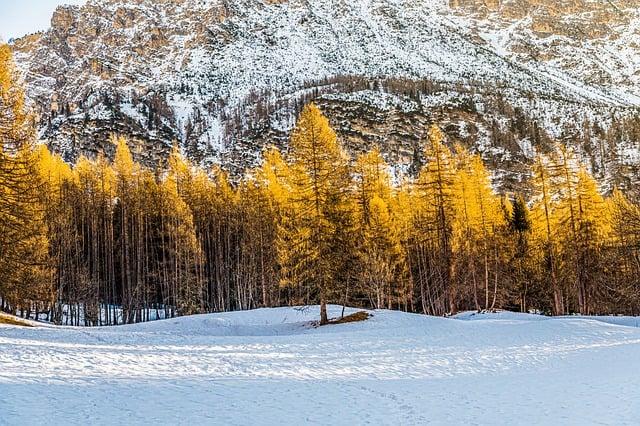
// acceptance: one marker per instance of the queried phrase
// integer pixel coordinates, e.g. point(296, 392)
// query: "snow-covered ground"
point(272, 366)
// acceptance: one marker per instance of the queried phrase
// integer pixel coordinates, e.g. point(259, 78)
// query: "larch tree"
point(478, 224)
point(102, 242)
point(591, 231)
point(545, 227)
point(181, 254)
point(320, 209)
point(433, 243)
point(381, 269)
point(273, 181)
point(23, 241)
point(623, 289)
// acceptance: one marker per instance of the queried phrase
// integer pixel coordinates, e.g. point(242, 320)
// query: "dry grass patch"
point(356, 317)
point(11, 320)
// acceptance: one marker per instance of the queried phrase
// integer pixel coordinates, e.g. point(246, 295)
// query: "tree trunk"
point(324, 319)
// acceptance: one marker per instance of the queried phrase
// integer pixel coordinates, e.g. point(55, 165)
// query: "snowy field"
point(272, 366)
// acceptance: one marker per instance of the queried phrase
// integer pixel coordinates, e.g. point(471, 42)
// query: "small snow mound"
point(620, 320)
point(624, 321)
point(499, 316)
point(259, 322)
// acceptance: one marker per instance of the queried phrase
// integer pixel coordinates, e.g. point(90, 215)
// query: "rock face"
point(226, 78)
point(597, 41)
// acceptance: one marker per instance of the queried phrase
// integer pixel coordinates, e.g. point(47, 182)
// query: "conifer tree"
point(382, 266)
point(434, 227)
point(274, 181)
point(591, 229)
point(520, 229)
point(546, 228)
point(478, 223)
point(23, 242)
point(623, 287)
point(320, 210)
point(101, 242)
point(182, 256)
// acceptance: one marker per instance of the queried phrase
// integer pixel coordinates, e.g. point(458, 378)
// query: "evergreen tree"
point(520, 229)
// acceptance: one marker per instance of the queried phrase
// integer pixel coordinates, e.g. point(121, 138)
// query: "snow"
point(272, 366)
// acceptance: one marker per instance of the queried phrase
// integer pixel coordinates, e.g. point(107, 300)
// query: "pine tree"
point(520, 229)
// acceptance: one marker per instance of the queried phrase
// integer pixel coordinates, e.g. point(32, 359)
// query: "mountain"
point(226, 78)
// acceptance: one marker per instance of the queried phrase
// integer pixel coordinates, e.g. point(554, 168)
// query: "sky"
point(20, 17)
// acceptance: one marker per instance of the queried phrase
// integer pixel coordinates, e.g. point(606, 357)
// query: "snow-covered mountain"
point(224, 78)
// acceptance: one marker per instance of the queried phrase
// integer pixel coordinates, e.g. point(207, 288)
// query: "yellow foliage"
point(478, 211)
point(275, 176)
point(16, 122)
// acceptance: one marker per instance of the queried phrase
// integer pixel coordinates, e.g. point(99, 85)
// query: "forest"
point(105, 242)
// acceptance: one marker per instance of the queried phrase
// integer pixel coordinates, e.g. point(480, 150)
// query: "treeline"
point(104, 242)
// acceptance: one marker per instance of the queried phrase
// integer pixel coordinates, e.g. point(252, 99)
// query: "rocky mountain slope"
point(225, 78)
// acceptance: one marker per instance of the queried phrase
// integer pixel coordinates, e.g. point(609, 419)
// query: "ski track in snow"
point(271, 366)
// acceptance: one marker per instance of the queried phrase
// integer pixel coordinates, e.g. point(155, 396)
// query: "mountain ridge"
point(225, 79)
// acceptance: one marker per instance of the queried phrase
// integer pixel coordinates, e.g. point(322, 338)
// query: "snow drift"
point(273, 366)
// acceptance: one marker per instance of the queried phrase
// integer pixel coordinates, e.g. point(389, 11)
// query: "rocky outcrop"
point(592, 40)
